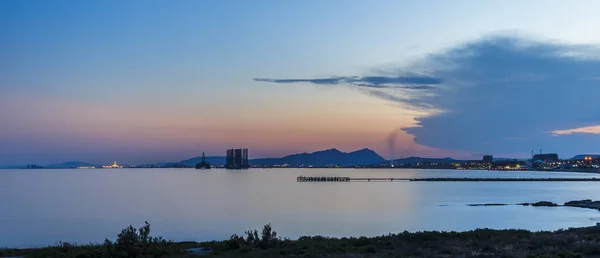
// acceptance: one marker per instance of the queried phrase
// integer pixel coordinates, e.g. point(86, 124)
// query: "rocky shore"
point(584, 204)
point(587, 204)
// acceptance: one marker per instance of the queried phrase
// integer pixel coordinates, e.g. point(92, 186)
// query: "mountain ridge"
point(581, 156)
point(71, 164)
point(319, 158)
point(413, 160)
point(327, 157)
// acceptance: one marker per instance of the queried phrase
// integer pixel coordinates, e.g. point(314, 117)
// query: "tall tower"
point(531, 153)
point(237, 159)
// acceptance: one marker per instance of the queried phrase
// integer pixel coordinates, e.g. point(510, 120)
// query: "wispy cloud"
point(414, 83)
point(582, 130)
point(326, 81)
point(400, 89)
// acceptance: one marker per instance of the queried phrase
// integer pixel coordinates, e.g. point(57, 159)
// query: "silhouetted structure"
point(237, 159)
point(549, 157)
point(203, 164)
point(488, 159)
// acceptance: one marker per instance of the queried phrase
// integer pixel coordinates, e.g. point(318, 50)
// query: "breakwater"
point(439, 179)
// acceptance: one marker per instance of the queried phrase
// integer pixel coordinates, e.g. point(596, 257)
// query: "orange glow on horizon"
point(348, 124)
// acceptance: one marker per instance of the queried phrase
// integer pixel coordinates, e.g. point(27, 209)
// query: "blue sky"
point(147, 81)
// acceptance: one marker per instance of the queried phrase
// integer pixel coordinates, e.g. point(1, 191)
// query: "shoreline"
point(582, 171)
point(570, 242)
point(584, 204)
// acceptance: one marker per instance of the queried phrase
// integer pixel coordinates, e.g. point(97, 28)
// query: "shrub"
point(138, 243)
point(369, 249)
point(269, 237)
point(267, 240)
point(252, 237)
point(235, 242)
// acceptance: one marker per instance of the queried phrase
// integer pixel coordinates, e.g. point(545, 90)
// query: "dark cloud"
point(411, 83)
point(315, 81)
point(484, 94)
point(381, 80)
point(405, 90)
point(512, 88)
point(400, 97)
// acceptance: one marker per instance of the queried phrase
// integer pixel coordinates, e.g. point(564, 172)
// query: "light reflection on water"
point(41, 207)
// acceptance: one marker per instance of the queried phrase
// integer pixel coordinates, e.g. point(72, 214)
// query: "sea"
point(41, 207)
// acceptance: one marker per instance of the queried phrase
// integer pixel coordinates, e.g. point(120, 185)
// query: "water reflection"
point(40, 207)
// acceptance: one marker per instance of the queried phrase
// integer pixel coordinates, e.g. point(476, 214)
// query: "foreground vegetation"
point(579, 242)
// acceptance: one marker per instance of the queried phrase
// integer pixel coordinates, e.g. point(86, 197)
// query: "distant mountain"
point(214, 160)
point(71, 164)
point(324, 158)
point(12, 167)
point(582, 156)
point(316, 159)
point(415, 160)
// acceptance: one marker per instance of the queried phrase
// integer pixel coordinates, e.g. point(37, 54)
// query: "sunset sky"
point(149, 81)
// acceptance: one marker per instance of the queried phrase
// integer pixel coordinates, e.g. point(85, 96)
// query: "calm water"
point(41, 207)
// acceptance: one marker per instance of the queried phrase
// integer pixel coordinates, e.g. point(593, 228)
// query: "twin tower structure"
point(237, 159)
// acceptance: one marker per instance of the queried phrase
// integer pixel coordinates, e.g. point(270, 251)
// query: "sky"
point(141, 82)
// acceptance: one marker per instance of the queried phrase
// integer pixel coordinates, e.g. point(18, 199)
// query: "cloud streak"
point(401, 82)
point(582, 130)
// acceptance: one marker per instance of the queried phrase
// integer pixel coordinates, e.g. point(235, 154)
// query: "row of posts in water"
point(322, 179)
point(443, 179)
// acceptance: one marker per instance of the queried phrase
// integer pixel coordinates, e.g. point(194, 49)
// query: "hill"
point(324, 158)
point(415, 160)
point(71, 164)
point(214, 160)
point(12, 167)
point(317, 159)
point(582, 156)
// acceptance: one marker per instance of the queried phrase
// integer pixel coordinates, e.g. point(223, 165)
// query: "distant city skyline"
point(141, 82)
point(113, 164)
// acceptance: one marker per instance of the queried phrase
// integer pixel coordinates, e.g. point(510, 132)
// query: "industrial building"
point(488, 159)
point(548, 157)
point(237, 159)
